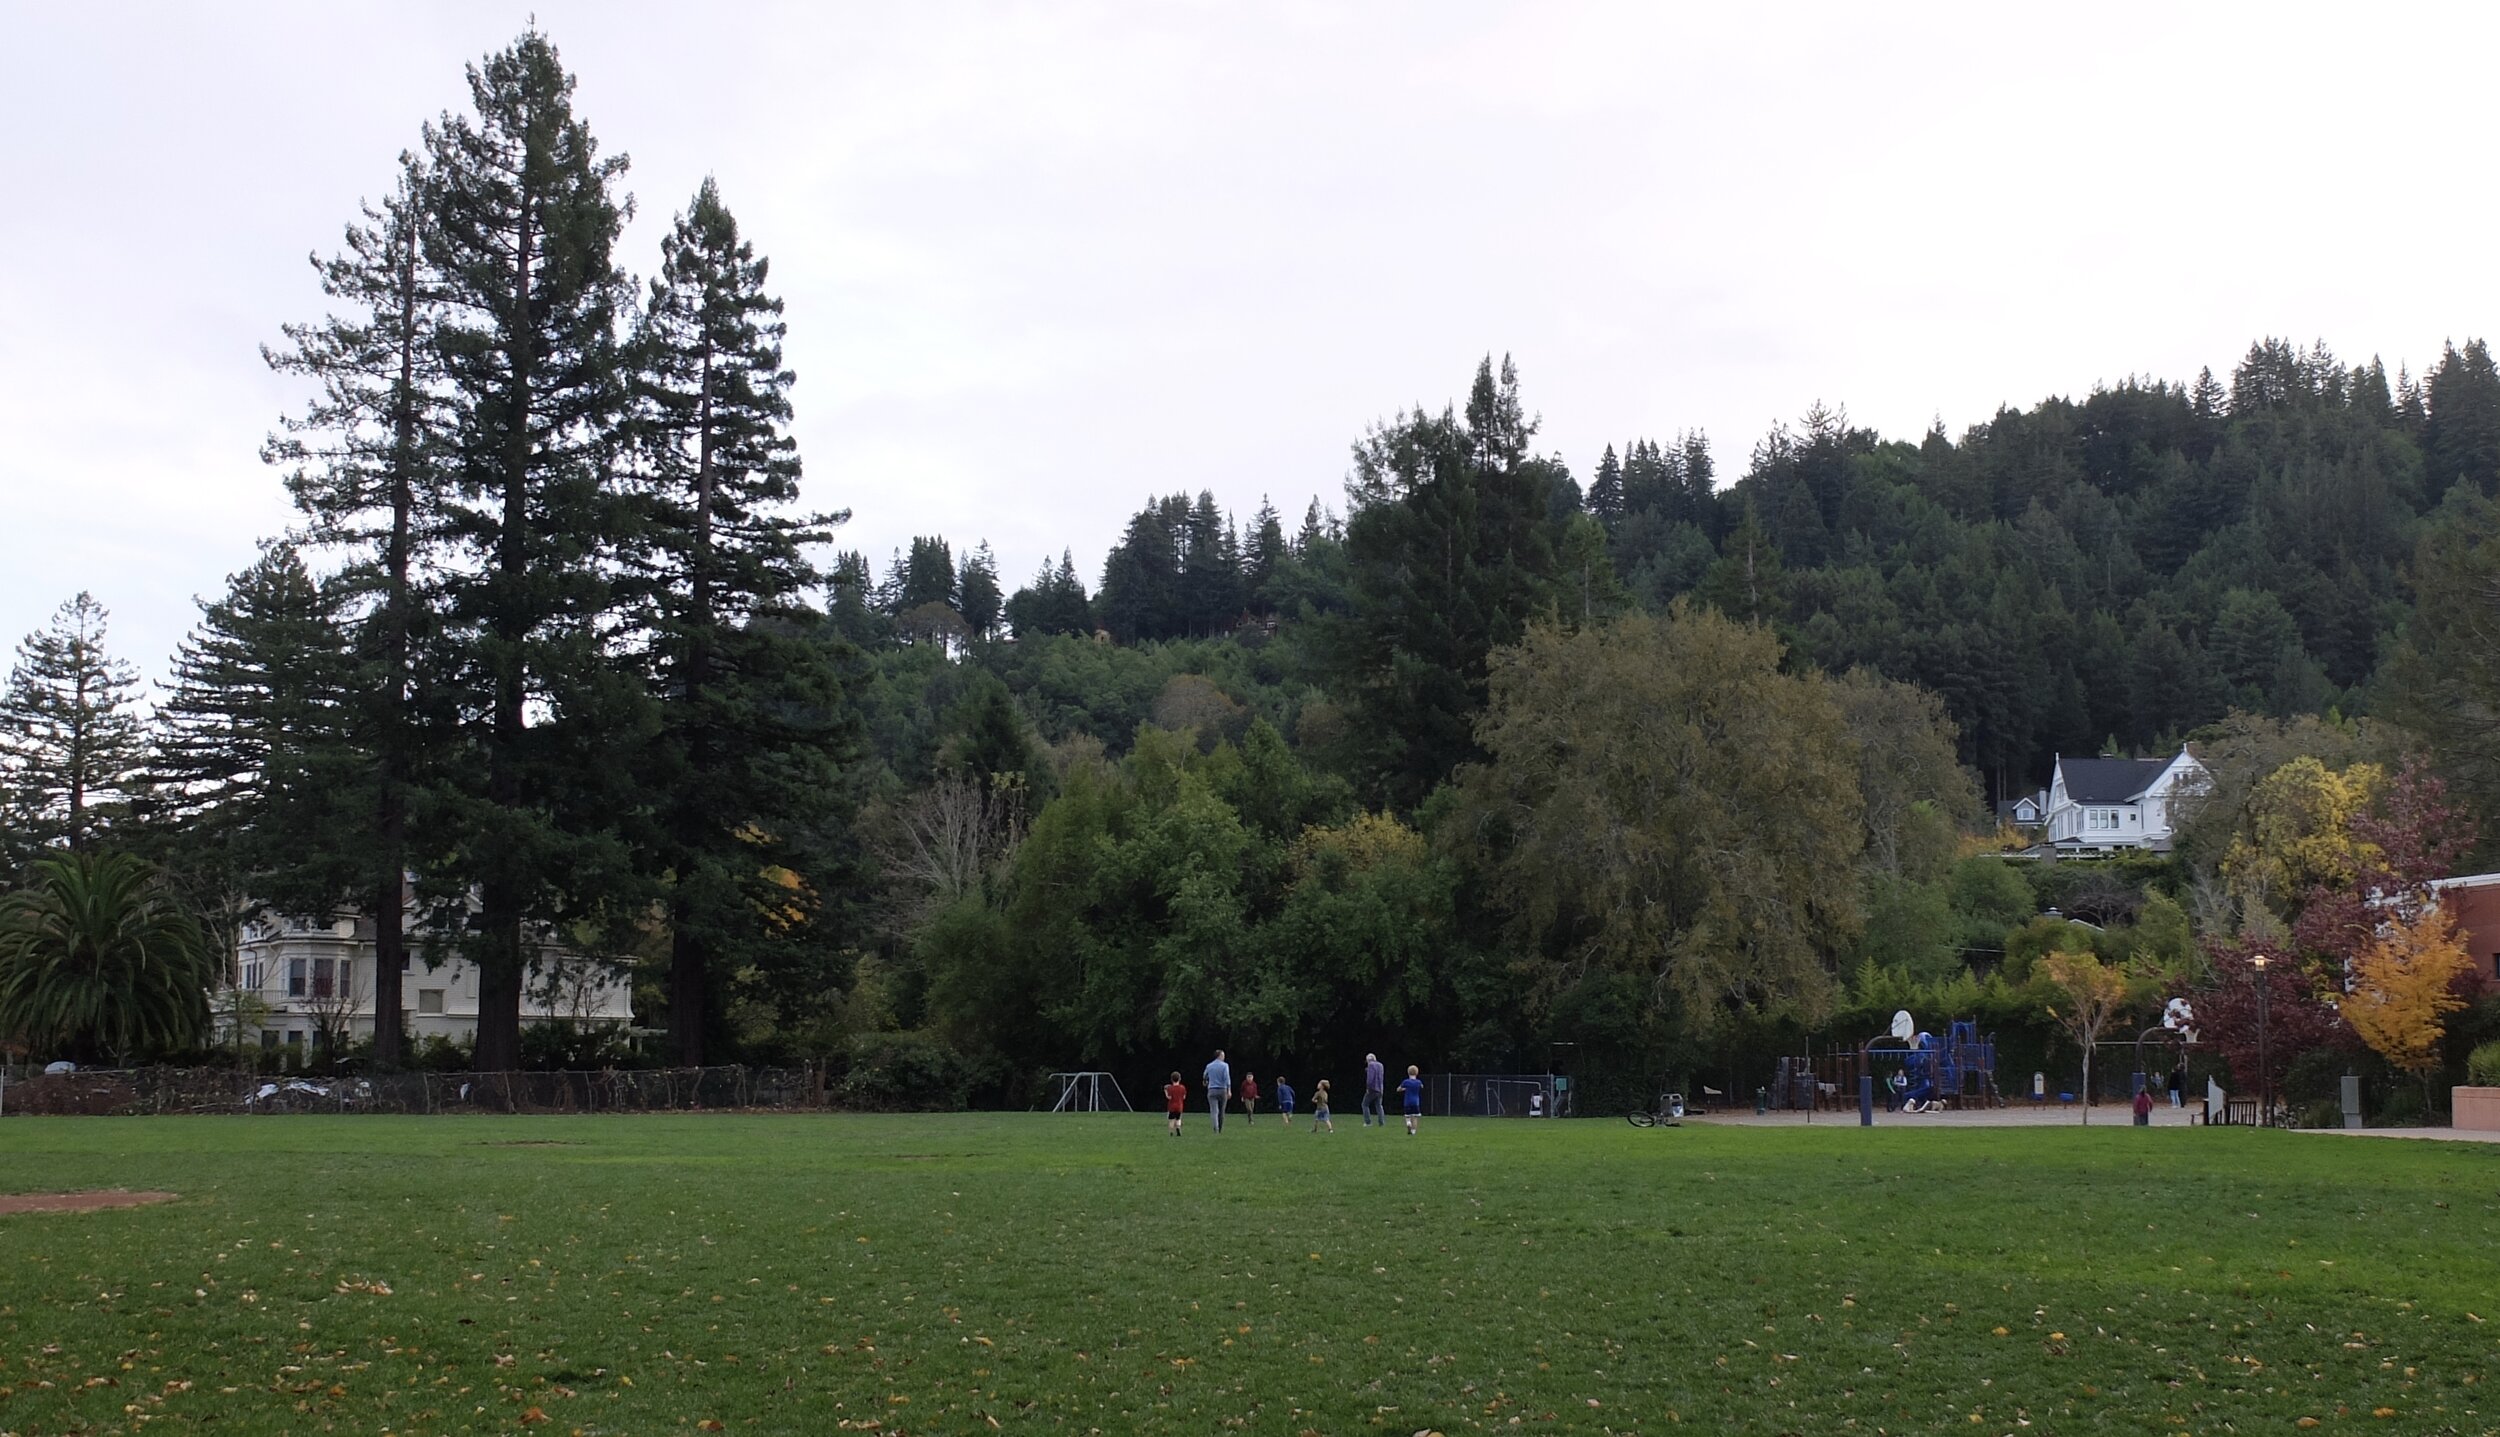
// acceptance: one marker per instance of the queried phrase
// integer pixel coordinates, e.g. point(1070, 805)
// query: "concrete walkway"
point(2045, 1115)
point(2018, 1115)
point(2445, 1135)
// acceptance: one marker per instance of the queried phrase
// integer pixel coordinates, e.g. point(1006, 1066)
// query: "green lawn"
point(947, 1274)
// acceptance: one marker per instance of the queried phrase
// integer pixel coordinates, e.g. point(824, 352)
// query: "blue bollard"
point(1866, 1100)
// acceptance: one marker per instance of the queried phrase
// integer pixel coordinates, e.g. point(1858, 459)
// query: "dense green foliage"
point(99, 961)
point(70, 733)
point(942, 1274)
point(1672, 772)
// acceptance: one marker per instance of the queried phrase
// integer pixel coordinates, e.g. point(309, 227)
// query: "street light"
point(2265, 1070)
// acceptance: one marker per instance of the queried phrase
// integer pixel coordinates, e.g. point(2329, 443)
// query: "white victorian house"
point(308, 982)
point(2113, 803)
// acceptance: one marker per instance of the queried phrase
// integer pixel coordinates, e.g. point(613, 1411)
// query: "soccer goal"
point(1089, 1093)
point(1490, 1095)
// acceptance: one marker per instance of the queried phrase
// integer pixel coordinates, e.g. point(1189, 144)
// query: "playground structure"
point(1924, 1073)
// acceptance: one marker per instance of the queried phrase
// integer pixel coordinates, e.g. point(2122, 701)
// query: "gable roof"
point(2109, 780)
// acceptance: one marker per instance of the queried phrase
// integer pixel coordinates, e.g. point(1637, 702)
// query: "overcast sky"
point(1043, 261)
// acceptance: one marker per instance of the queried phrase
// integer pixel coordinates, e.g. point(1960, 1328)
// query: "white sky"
point(1043, 261)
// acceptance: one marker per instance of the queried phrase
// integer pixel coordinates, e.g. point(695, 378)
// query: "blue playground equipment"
point(1931, 1071)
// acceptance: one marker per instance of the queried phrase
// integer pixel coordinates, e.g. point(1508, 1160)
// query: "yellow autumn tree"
point(2090, 993)
point(1361, 843)
point(2298, 833)
point(2401, 989)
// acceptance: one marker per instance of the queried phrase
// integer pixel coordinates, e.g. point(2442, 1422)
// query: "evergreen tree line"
point(1492, 761)
point(541, 664)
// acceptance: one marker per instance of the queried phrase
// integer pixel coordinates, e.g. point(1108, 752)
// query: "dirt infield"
point(88, 1201)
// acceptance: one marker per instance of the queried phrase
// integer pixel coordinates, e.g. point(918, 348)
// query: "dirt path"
point(88, 1201)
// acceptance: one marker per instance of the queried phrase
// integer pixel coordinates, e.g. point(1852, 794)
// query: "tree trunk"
point(688, 992)
point(390, 954)
point(2087, 1083)
point(500, 903)
point(498, 961)
point(390, 1036)
point(688, 958)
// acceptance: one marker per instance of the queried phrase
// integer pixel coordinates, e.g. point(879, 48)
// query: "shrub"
point(905, 1072)
point(2482, 1066)
point(2404, 1108)
point(2324, 1113)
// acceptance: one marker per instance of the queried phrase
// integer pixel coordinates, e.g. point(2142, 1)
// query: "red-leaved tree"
point(2300, 1017)
point(2409, 836)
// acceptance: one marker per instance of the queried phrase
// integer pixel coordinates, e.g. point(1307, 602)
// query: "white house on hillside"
point(307, 982)
point(2113, 803)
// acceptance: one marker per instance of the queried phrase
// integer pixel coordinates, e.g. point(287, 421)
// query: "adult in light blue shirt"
point(1219, 1078)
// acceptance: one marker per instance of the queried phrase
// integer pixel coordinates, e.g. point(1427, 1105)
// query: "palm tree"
point(98, 959)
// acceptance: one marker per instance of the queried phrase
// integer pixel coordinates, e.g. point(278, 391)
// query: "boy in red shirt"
point(1249, 1097)
point(1175, 1093)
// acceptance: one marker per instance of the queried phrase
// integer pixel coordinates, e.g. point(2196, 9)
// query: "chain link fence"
point(138, 1092)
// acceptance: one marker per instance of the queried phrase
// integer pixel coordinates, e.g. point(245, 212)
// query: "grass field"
point(1074, 1274)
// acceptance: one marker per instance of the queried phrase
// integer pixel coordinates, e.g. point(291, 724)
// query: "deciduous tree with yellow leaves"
point(2298, 834)
point(2090, 993)
point(2403, 989)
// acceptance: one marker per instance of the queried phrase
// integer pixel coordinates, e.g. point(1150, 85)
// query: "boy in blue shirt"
point(1284, 1099)
point(1412, 1090)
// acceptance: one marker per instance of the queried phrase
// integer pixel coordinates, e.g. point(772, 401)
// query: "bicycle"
point(1669, 1113)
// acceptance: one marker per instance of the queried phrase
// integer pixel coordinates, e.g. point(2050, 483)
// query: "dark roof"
point(2109, 780)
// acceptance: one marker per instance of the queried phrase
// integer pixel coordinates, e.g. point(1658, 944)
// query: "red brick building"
point(2475, 900)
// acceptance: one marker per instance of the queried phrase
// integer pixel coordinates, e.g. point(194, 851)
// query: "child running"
point(1249, 1096)
point(1284, 1100)
point(1319, 1109)
point(1412, 1090)
point(1175, 1094)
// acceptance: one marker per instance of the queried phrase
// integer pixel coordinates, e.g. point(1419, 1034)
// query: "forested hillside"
point(1468, 752)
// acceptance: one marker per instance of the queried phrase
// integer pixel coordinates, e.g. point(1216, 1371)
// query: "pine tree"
point(927, 576)
point(976, 589)
point(1697, 501)
point(753, 727)
point(2461, 433)
point(1142, 596)
point(522, 227)
point(1267, 553)
point(262, 795)
point(1606, 491)
point(1746, 582)
point(1210, 578)
point(367, 466)
point(857, 615)
point(1072, 610)
point(1452, 548)
point(70, 736)
point(1314, 530)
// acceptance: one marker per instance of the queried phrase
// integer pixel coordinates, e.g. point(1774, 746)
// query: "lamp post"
point(2265, 1066)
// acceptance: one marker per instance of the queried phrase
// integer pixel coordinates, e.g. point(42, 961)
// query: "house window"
point(429, 1000)
point(296, 976)
point(295, 1037)
point(252, 975)
point(323, 985)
